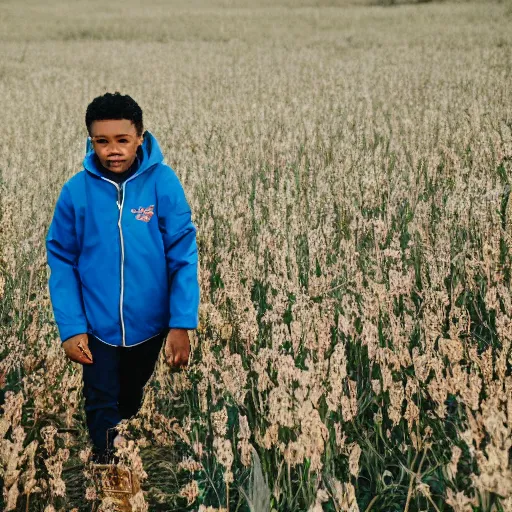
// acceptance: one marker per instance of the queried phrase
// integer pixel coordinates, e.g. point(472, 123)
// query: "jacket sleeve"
point(65, 287)
point(179, 239)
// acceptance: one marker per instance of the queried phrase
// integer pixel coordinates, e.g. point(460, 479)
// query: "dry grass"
point(348, 167)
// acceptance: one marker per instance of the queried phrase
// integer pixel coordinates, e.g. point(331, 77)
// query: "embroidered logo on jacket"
point(144, 214)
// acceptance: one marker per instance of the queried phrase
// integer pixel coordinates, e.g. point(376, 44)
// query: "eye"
point(123, 140)
point(100, 141)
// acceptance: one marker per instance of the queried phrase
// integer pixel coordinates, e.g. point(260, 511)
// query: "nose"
point(113, 149)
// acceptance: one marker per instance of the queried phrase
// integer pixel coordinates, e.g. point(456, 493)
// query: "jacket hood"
point(151, 155)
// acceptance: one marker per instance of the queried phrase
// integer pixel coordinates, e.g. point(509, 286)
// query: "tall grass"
point(348, 169)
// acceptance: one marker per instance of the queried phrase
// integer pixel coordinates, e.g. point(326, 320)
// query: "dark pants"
point(113, 388)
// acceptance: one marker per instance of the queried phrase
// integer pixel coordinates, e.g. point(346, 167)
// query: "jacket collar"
point(151, 155)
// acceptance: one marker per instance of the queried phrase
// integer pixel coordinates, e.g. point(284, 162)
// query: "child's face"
point(115, 141)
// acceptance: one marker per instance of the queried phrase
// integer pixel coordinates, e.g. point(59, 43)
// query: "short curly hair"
point(114, 106)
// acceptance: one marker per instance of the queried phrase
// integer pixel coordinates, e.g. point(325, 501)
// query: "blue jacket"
point(123, 258)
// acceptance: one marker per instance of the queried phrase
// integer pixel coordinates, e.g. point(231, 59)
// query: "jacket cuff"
point(68, 331)
point(182, 322)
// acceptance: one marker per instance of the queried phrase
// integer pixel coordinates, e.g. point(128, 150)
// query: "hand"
point(177, 348)
point(77, 349)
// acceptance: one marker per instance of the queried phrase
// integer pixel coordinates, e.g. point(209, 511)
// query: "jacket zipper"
point(120, 203)
point(121, 192)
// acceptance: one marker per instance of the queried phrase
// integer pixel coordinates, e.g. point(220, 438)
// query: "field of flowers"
point(348, 167)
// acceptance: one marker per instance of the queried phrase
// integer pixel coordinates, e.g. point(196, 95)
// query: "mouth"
point(115, 163)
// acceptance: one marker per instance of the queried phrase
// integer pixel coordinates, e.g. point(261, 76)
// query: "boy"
point(123, 257)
